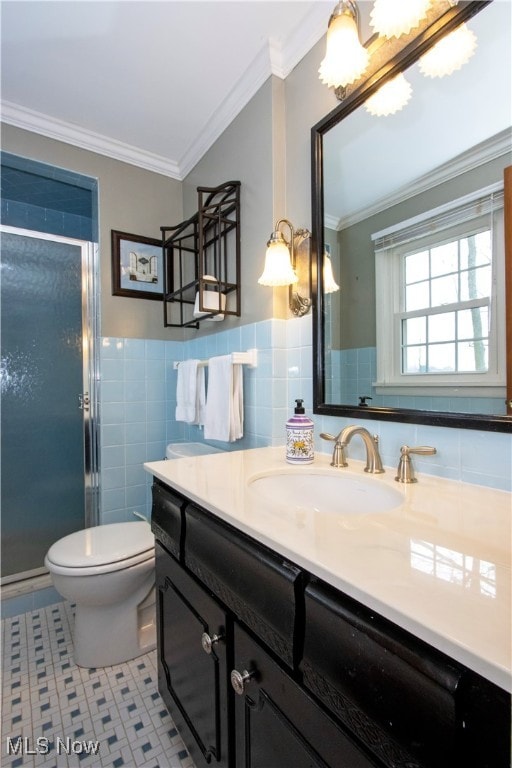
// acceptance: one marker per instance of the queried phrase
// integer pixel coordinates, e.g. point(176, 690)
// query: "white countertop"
point(438, 564)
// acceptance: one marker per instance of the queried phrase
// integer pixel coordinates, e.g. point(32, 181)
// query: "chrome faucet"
point(373, 460)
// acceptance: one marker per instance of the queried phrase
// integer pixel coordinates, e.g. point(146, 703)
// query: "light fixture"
point(287, 264)
point(449, 54)
point(393, 18)
point(345, 58)
point(329, 283)
point(390, 97)
point(278, 265)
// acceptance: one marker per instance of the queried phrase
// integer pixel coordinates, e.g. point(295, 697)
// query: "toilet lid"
point(103, 544)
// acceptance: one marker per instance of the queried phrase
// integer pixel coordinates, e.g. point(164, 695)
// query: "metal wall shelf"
point(201, 259)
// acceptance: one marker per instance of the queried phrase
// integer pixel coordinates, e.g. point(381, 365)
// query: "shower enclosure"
point(48, 372)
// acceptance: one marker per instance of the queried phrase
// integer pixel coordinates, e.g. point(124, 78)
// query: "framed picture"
point(136, 266)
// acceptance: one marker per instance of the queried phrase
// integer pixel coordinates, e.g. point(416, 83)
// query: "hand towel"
point(224, 413)
point(200, 396)
point(190, 392)
point(237, 410)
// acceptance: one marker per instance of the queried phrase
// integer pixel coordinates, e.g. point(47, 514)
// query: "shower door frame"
point(88, 399)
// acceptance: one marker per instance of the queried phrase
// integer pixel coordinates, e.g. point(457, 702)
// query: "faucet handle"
point(338, 454)
point(405, 471)
point(424, 450)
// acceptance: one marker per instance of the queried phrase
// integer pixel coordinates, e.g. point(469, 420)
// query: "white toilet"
point(109, 573)
point(184, 450)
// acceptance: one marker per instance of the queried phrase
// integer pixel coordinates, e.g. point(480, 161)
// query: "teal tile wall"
point(45, 198)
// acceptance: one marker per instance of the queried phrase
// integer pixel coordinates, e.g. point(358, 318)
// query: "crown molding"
point(491, 149)
point(302, 39)
point(271, 60)
point(51, 127)
point(246, 87)
point(331, 222)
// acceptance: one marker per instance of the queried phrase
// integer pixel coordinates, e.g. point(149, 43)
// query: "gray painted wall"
point(251, 151)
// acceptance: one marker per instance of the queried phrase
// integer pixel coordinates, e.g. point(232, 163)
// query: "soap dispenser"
point(299, 437)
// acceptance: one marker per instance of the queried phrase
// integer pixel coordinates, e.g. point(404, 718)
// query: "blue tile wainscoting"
point(351, 373)
point(138, 401)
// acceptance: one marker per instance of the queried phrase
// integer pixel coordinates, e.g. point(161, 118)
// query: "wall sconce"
point(345, 58)
point(393, 18)
point(449, 54)
point(286, 263)
point(390, 97)
point(329, 283)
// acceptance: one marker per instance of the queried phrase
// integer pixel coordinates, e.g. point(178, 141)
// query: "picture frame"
point(136, 266)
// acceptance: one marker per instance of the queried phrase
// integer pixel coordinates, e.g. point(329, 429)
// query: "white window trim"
point(389, 243)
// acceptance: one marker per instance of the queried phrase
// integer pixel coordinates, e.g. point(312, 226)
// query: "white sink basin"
point(326, 492)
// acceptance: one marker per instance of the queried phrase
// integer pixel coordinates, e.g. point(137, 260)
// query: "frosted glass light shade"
point(393, 18)
point(330, 284)
point(345, 58)
point(449, 54)
point(390, 98)
point(278, 268)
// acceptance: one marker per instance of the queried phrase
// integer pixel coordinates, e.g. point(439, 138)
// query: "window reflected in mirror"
point(412, 219)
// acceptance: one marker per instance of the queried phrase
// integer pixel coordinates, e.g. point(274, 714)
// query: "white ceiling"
point(153, 83)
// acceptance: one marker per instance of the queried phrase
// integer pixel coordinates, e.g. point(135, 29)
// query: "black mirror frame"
point(405, 58)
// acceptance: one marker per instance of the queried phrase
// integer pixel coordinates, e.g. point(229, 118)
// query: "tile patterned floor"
point(58, 715)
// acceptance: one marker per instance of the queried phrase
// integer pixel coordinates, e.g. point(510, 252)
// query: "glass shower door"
point(43, 370)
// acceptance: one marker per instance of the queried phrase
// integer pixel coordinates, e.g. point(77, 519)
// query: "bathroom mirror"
point(373, 176)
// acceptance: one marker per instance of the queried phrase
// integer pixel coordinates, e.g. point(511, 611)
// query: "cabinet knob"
point(208, 642)
point(240, 679)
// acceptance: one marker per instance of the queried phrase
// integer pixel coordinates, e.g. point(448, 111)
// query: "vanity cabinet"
point(392, 689)
point(278, 724)
point(263, 665)
point(192, 661)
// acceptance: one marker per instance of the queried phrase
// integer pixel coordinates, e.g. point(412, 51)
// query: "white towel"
point(224, 415)
point(190, 392)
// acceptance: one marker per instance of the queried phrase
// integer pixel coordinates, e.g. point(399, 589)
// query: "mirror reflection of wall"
point(451, 139)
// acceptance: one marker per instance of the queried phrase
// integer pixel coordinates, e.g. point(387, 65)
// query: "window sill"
point(436, 390)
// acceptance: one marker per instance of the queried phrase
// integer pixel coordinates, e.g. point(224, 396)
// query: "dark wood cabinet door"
point(278, 725)
point(192, 666)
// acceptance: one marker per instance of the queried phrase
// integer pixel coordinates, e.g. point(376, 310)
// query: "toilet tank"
point(181, 450)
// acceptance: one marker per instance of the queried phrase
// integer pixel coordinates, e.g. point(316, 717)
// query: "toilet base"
point(106, 635)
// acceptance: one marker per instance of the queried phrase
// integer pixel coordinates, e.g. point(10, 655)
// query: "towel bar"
point(249, 358)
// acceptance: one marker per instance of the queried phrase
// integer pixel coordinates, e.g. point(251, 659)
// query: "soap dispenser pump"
point(299, 437)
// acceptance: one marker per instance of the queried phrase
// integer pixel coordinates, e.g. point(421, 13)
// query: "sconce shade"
point(390, 97)
point(329, 283)
point(449, 54)
point(393, 18)
point(278, 269)
point(345, 58)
